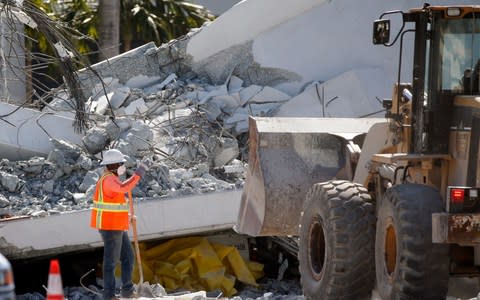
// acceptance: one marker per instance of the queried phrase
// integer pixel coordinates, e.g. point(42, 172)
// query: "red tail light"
point(457, 196)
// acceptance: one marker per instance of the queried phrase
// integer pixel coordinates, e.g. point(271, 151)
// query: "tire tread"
point(348, 214)
point(422, 272)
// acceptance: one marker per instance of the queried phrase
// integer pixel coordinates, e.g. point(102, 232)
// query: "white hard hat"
point(112, 156)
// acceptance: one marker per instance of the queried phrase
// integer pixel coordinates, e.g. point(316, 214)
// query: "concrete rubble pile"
point(191, 129)
point(65, 180)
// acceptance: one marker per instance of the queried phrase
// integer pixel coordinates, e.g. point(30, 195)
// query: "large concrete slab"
point(135, 61)
point(26, 132)
point(350, 94)
point(159, 218)
point(299, 42)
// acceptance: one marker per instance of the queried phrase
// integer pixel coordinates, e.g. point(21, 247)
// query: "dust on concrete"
point(238, 60)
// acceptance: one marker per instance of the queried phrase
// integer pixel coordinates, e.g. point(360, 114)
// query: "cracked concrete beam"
point(157, 218)
point(135, 61)
point(238, 60)
point(31, 132)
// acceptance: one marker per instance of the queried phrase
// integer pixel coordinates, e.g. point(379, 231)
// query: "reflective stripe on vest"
point(110, 207)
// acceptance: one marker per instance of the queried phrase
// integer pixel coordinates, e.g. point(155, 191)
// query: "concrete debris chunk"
point(225, 152)
point(269, 94)
point(4, 201)
point(219, 185)
point(201, 184)
point(95, 140)
point(214, 91)
point(84, 162)
point(137, 107)
point(158, 87)
point(34, 165)
point(247, 93)
point(234, 84)
point(106, 85)
point(61, 104)
point(71, 151)
point(137, 141)
point(184, 150)
point(213, 110)
point(48, 186)
point(5, 212)
point(10, 182)
point(235, 167)
point(90, 179)
point(39, 213)
point(141, 81)
point(119, 96)
point(102, 104)
point(57, 157)
point(227, 103)
point(79, 197)
point(115, 127)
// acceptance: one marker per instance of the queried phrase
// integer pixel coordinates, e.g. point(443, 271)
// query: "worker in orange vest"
point(110, 215)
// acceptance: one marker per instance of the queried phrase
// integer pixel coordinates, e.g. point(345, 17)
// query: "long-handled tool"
point(143, 289)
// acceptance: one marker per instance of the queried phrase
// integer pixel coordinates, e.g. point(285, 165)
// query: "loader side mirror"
point(387, 104)
point(381, 32)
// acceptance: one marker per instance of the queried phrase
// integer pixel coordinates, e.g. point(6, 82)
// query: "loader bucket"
point(286, 157)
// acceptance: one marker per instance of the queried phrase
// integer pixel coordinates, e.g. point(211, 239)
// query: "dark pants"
point(117, 247)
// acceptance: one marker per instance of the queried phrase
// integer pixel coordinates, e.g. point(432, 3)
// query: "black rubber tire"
point(416, 268)
point(337, 232)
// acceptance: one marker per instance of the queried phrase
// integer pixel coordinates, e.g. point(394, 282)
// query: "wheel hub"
point(390, 249)
point(316, 249)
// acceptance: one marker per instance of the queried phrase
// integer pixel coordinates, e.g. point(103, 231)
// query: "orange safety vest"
point(110, 210)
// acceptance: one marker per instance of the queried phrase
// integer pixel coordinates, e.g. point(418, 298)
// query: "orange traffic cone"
point(54, 289)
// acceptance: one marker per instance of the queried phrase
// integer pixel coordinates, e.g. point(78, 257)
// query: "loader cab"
point(446, 62)
point(453, 61)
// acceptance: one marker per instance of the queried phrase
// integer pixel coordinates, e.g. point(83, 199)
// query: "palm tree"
point(109, 14)
point(158, 20)
point(120, 25)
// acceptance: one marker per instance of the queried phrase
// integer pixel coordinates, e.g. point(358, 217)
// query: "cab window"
point(460, 55)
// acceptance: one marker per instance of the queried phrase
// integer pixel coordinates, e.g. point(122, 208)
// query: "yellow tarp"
point(194, 263)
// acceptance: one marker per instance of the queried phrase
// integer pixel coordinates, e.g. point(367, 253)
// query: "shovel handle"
point(133, 220)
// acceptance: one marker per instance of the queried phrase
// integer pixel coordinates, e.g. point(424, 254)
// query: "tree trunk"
point(109, 28)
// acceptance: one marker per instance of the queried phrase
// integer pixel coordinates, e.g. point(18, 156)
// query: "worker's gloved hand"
point(143, 166)
point(133, 218)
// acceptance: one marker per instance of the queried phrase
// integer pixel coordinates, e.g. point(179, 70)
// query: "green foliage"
point(75, 14)
point(141, 21)
point(158, 20)
point(72, 19)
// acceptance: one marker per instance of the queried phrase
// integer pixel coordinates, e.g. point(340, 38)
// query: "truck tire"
point(337, 232)
point(408, 265)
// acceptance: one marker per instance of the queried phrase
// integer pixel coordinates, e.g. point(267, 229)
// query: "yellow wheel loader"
point(393, 203)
